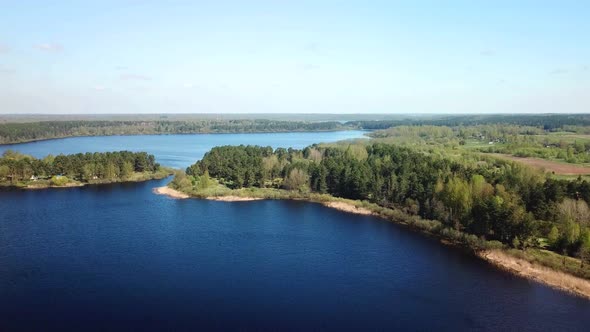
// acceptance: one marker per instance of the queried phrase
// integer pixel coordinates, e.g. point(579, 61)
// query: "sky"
point(300, 56)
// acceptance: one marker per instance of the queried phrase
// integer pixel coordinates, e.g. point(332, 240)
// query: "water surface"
point(118, 256)
point(177, 151)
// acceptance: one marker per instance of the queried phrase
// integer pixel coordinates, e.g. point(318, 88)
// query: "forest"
point(19, 170)
point(32, 131)
point(17, 129)
point(486, 197)
point(545, 121)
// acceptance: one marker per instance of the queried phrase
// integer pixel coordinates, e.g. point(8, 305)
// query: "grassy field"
point(553, 166)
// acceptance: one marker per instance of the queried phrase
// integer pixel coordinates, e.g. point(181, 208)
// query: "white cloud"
point(4, 48)
point(558, 71)
point(5, 70)
point(487, 52)
point(308, 66)
point(50, 47)
point(311, 47)
point(135, 77)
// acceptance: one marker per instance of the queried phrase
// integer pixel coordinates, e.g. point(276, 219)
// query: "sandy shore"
point(538, 273)
point(170, 192)
point(342, 206)
point(233, 198)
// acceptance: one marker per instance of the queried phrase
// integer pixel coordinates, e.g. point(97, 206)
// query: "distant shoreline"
point(184, 134)
point(500, 258)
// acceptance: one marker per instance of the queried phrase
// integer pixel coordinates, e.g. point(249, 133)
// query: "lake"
point(118, 257)
point(178, 151)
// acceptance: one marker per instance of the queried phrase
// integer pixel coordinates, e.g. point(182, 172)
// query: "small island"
point(23, 171)
point(483, 206)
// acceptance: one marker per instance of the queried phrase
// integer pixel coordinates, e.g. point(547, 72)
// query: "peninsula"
point(23, 171)
point(478, 206)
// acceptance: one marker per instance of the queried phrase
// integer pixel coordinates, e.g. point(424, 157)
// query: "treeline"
point(546, 121)
point(493, 199)
point(22, 132)
point(84, 167)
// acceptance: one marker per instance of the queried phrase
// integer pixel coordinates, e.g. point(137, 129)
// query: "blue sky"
point(294, 56)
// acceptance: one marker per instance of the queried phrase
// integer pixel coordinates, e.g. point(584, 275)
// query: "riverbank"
point(350, 208)
point(167, 191)
point(37, 186)
point(537, 268)
point(542, 274)
point(233, 198)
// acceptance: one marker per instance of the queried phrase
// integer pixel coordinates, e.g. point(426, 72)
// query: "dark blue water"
point(117, 257)
point(177, 151)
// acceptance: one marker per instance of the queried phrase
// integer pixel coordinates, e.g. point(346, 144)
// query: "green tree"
point(297, 180)
point(553, 236)
point(127, 170)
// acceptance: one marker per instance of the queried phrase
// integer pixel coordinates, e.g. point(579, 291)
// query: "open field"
point(558, 168)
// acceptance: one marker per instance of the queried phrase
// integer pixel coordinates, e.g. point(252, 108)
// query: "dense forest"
point(545, 121)
point(16, 168)
point(489, 198)
point(31, 131)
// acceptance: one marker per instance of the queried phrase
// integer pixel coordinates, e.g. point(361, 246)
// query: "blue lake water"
point(118, 257)
point(179, 151)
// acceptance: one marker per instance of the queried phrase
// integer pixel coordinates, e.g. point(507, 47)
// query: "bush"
point(58, 180)
point(494, 245)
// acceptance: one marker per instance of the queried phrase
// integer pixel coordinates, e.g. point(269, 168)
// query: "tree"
point(110, 172)
point(181, 182)
point(89, 172)
point(574, 210)
point(4, 171)
point(126, 170)
point(553, 236)
point(204, 180)
point(297, 180)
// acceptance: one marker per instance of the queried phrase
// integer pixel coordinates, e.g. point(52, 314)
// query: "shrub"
point(58, 180)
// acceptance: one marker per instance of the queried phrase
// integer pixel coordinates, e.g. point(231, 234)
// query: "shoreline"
point(231, 198)
point(196, 133)
point(78, 184)
point(499, 258)
point(544, 275)
point(350, 208)
point(172, 193)
point(67, 185)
